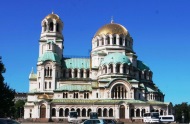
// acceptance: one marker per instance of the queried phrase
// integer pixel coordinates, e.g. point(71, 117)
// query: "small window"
point(96, 95)
point(49, 85)
point(45, 85)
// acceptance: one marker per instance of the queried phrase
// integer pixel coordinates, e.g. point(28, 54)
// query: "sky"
point(160, 30)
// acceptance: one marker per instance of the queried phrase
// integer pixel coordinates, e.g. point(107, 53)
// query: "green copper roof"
point(104, 101)
point(142, 66)
point(115, 58)
point(49, 56)
point(78, 63)
point(69, 87)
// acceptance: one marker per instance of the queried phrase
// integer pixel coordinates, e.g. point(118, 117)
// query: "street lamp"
point(183, 117)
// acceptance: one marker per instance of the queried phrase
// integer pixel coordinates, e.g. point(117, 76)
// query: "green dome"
point(142, 66)
point(115, 58)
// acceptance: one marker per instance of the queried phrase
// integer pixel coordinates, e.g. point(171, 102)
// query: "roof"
point(142, 66)
point(78, 63)
point(73, 87)
point(53, 16)
point(49, 55)
point(112, 28)
point(32, 76)
point(115, 58)
point(105, 101)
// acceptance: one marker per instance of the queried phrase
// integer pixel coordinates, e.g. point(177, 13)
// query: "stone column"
point(78, 75)
point(114, 68)
point(84, 73)
point(72, 73)
point(111, 40)
point(121, 68)
point(117, 40)
point(54, 27)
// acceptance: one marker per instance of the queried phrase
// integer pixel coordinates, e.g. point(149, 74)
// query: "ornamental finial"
point(112, 19)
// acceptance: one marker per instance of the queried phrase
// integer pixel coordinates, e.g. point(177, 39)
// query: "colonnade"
point(76, 73)
point(113, 40)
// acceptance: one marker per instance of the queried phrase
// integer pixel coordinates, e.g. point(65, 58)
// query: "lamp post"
point(183, 117)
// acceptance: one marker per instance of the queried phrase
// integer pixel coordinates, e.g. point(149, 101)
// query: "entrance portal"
point(42, 111)
point(122, 111)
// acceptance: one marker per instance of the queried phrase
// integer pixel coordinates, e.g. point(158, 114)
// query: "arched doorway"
point(122, 111)
point(42, 111)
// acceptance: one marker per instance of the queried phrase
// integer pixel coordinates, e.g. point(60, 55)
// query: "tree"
point(6, 95)
point(19, 107)
point(182, 112)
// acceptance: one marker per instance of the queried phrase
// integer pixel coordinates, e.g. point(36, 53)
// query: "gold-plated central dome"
point(112, 28)
point(53, 16)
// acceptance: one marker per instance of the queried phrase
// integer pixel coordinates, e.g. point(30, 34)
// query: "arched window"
point(75, 73)
point(72, 109)
point(39, 85)
point(65, 95)
point(51, 26)
point(105, 112)
point(114, 40)
point(83, 112)
point(60, 112)
point(119, 91)
point(108, 40)
point(53, 112)
point(97, 42)
point(118, 68)
point(132, 113)
point(126, 42)
point(81, 73)
point(99, 112)
point(78, 111)
point(111, 68)
point(105, 69)
point(111, 112)
point(57, 27)
point(75, 95)
point(102, 41)
point(89, 110)
point(121, 41)
point(124, 68)
point(138, 113)
point(66, 112)
point(87, 73)
point(142, 112)
point(45, 85)
point(70, 75)
point(49, 85)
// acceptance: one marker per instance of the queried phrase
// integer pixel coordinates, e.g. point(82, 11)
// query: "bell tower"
point(50, 53)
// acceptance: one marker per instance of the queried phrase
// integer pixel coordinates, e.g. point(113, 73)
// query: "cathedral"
point(112, 81)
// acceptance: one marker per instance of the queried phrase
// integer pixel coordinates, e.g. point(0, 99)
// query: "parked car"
point(8, 121)
point(94, 121)
point(110, 121)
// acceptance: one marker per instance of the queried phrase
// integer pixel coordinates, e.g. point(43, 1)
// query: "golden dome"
point(44, 96)
point(53, 16)
point(112, 28)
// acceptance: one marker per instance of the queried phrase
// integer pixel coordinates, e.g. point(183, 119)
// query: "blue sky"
point(160, 30)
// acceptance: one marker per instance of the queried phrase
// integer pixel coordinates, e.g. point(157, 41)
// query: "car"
point(8, 121)
point(94, 121)
point(110, 121)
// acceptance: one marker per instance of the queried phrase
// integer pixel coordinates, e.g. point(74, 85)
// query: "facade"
point(112, 81)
